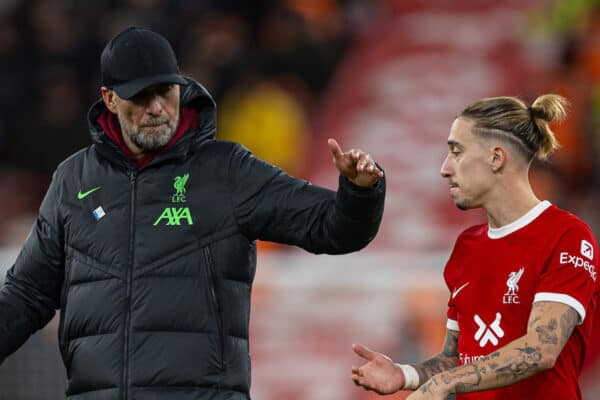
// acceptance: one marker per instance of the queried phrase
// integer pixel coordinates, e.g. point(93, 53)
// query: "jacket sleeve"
point(31, 292)
point(271, 205)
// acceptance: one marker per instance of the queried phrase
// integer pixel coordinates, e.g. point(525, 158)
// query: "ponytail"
point(526, 127)
point(546, 109)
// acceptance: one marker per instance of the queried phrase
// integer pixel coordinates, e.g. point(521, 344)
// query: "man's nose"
point(445, 171)
point(155, 107)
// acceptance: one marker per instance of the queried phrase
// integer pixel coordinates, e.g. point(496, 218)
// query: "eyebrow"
point(454, 143)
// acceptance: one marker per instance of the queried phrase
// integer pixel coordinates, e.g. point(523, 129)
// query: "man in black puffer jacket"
point(145, 239)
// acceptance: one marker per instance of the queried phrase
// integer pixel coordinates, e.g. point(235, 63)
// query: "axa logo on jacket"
point(174, 216)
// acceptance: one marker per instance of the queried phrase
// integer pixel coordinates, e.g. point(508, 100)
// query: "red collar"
point(109, 123)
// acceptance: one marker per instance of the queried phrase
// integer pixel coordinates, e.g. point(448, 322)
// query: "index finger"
point(335, 148)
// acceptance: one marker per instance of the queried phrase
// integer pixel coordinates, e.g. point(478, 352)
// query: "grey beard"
point(149, 143)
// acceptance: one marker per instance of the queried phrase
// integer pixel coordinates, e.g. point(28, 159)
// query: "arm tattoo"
point(472, 371)
point(568, 321)
point(471, 377)
point(558, 328)
point(445, 360)
point(534, 321)
point(527, 363)
point(450, 348)
point(547, 333)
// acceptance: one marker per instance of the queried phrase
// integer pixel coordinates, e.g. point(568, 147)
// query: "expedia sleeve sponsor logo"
point(578, 262)
point(587, 250)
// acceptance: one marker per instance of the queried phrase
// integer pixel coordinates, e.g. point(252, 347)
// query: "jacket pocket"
point(216, 307)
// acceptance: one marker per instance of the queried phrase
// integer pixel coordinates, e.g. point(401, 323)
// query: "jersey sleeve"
point(449, 277)
point(452, 322)
point(569, 276)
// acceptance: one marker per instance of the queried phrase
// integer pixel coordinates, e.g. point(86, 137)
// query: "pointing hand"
point(356, 165)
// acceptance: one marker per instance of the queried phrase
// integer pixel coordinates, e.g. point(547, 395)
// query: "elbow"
point(346, 248)
point(360, 244)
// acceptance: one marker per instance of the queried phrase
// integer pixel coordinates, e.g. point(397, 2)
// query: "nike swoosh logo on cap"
point(81, 196)
point(457, 291)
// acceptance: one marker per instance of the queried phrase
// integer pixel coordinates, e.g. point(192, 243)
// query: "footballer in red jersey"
point(520, 286)
point(495, 276)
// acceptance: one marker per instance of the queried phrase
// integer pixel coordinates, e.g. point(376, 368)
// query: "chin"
point(463, 205)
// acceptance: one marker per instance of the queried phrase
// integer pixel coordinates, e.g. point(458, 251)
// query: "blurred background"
point(387, 76)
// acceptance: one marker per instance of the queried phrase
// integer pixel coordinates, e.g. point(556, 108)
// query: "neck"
point(510, 203)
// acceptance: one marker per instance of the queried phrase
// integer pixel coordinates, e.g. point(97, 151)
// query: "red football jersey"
point(494, 277)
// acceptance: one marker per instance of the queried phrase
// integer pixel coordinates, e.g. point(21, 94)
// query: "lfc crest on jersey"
point(512, 294)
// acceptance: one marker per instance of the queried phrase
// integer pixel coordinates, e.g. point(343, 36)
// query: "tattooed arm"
point(382, 376)
point(550, 326)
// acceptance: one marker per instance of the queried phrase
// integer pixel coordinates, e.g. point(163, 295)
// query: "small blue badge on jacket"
point(98, 213)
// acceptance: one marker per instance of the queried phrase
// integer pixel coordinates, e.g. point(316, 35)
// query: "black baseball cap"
point(136, 59)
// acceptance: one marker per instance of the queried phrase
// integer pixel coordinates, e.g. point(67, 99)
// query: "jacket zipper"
point(217, 309)
point(132, 179)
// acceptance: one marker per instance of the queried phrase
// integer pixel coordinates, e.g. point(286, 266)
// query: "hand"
point(356, 165)
point(433, 389)
point(379, 374)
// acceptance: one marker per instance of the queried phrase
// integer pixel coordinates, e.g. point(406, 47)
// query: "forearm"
point(19, 319)
point(342, 223)
point(437, 364)
point(441, 362)
point(356, 216)
point(513, 363)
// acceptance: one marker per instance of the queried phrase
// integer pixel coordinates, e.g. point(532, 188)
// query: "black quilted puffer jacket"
point(152, 269)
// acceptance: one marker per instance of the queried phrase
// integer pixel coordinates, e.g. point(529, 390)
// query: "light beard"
point(466, 204)
point(150, 139)
point(462, 206)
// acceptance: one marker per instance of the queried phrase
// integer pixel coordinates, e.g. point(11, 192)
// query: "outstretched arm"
point(271, 205)
point(382, 376)
point(550, 326)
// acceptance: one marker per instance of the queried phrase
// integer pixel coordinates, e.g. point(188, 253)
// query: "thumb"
point(363, 351)
point(336, 151)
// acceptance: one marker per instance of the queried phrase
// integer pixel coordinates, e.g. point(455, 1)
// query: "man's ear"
point(109, 97)
point(499, 158)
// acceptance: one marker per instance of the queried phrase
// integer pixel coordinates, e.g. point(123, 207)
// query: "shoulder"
point(471, 237)
point(233, 161)
point(561, 222)
point(240, 158)
point(222, 151)
point(223, 147)
point(73, 164)
point(473, 233)
point(75, 158)
point(458, 263)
